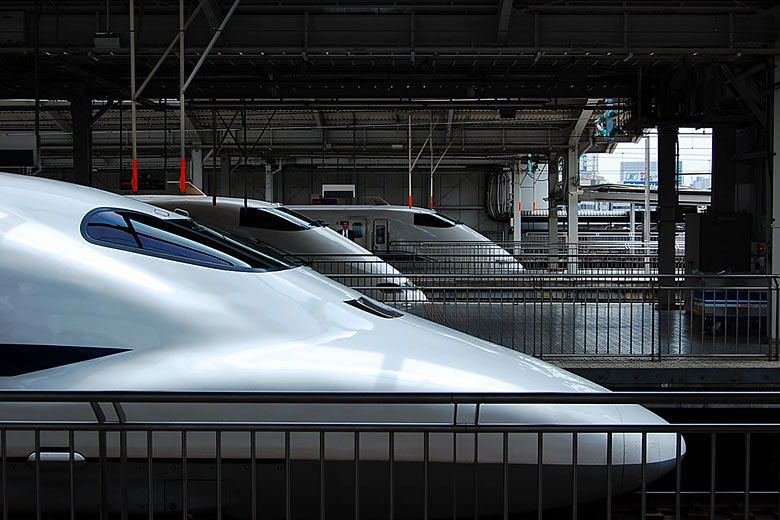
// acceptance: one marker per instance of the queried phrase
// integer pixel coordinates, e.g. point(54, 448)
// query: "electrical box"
point(717, 242)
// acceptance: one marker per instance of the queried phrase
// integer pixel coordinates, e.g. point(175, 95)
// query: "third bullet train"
point(417, 239)
point(99, 292)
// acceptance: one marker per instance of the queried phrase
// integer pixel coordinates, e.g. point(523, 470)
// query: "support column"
point(183, 167)
point(667, 207)
point(527, 190)
point(646, 212)
point(517, 179)
point(197, 168)
point(223, 178)
point(269, 183)
point(632, 221)
point(724, 165)
point(573, 172)
point(81, 115)
point(775, 173)
point(552, 212)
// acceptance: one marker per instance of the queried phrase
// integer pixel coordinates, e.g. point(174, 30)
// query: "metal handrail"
point(233, 397)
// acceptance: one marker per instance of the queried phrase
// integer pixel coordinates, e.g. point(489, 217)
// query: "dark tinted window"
point(357, 229)
point(381, 236)
point(270, 219)
point(433, 220)
point(176, 239)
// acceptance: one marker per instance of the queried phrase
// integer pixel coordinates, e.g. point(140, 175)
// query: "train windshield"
point(275, 219)
point(183, 240)
point(433, 220)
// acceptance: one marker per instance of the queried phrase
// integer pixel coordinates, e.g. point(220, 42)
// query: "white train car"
point(100, 292)
point(324, 249)
point(417, 238)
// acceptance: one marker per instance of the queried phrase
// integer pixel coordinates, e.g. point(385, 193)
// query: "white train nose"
point(661, 449)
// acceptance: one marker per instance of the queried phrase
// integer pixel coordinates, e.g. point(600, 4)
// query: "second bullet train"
point(321, 247)
point(99, 292)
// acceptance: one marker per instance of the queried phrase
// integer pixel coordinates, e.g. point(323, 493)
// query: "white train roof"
point(36, 197)
point(360, 207)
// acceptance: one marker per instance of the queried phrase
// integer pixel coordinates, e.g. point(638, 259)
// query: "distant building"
point(589, 170)
point(702, 182)
point(633, 172)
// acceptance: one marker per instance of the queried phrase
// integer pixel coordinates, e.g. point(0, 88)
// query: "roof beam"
point(212, 12)
point(582, 121)
point(742, 93)
point(210, 46)
point(318, 120)
point(504, 15)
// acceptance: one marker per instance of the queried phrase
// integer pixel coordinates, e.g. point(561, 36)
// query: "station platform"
point(676, 373)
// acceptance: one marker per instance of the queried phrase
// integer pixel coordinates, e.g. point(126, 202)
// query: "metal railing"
point(123, 460)
point(612, 305)
point(538, 257)
point(648, 316)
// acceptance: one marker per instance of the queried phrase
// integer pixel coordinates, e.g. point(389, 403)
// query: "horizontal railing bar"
point(596, 276)
point(765, 397)
point(391, 427)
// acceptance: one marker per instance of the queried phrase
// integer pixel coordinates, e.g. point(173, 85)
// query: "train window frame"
point(434, 220)
point(235, 250)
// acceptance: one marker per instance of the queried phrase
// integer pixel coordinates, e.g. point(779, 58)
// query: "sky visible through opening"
point(625, 165)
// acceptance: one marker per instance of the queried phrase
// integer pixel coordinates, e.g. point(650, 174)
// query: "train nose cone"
point(661, 449)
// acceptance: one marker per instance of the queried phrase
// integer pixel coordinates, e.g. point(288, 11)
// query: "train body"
point(322, 248)
point(417, 239)
point(104, 293)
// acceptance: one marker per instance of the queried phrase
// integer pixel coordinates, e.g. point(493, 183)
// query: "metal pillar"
point(724, 178)
point(81, 115)
point(552, 211)
point(430, 144)
point(409, 134)
point(134, 181)
point(527, 190)
point(632, 221)
point(573, 172)
point(775, 244)
point(213, 156)
point(197, 168)
point(774, 248)
point(517, 223)
point(646, 216)
point(183, 172)
point(646, 212)
point(269, 183)
point(667, 207)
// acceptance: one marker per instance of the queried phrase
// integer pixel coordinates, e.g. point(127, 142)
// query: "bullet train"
point(324, 249)
point(417, 239)
point(99, 292)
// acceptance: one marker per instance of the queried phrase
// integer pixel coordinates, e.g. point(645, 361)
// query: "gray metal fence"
point(124, 461)
point(647, 316)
